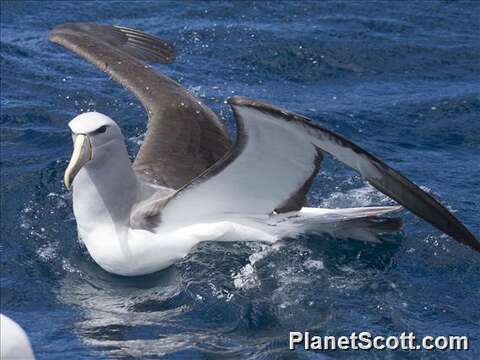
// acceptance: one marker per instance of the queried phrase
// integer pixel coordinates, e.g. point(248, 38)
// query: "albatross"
point(189, 183)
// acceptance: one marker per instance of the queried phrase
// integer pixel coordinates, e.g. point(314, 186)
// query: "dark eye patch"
point(101, 130)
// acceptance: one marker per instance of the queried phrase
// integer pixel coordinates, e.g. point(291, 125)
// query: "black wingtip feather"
point(136, 43)
point(159, 49)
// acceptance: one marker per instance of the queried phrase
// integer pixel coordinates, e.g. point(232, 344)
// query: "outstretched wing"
point(275, 154)
point(183, 137)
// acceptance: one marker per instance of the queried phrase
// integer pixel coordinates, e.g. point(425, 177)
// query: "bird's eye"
point(101, 130)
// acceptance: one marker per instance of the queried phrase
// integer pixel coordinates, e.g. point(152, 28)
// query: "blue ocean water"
point(399, 78)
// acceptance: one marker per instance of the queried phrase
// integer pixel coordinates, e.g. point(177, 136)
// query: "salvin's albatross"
point(189, 184)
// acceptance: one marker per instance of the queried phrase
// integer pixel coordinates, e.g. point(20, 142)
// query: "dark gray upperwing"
point(379, 174)
point(184, 137)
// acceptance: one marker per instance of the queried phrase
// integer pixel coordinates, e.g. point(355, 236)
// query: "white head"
point(94, 137)
point(105, 186)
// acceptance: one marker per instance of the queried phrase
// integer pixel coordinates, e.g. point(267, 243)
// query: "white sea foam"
point(137, 140)
point(314, 264)
point(47, 252)
point(247, 277)
point(220, 293)
point(197, 91)
point(366, 195)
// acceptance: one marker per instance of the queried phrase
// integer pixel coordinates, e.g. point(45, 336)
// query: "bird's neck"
point(104, 192)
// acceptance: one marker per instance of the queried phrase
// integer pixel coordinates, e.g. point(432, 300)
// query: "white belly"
point(141, 252)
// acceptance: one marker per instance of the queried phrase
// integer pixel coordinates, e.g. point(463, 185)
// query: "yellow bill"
point(82, 153)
